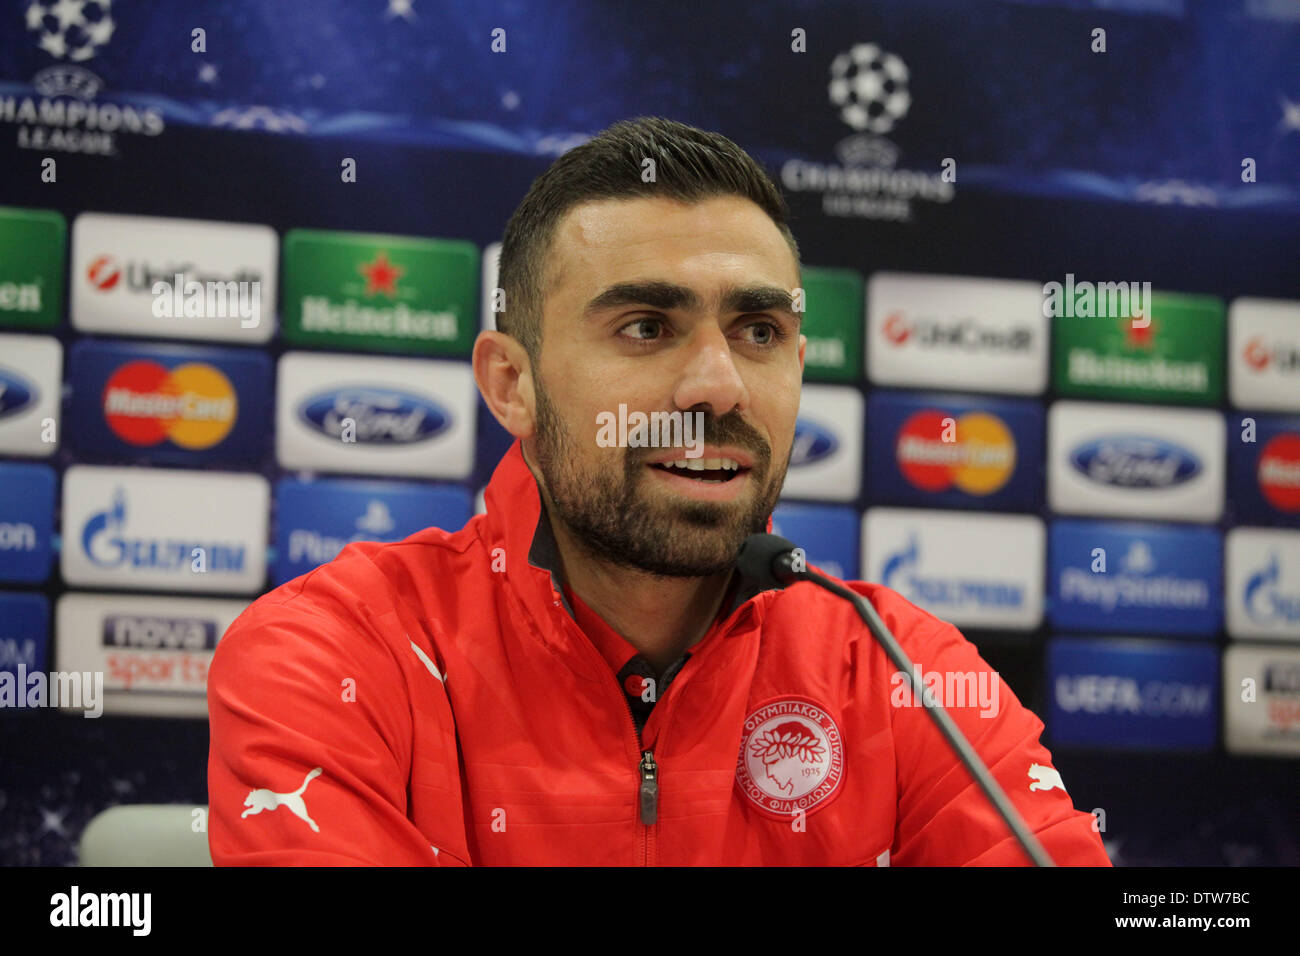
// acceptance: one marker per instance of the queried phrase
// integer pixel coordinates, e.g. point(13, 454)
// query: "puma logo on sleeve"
point(1045, 778)
point(259, 800)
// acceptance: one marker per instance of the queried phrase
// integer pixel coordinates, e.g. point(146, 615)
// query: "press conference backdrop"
point(1108, 506)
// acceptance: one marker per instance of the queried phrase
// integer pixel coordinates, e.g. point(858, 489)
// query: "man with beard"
point(580, 675)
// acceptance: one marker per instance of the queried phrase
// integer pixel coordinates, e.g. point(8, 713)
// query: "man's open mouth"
point(714, 470)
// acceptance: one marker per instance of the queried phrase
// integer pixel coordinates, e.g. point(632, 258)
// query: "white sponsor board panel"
point(826, 458)
point(31, 382)
point(957, 332)
point(982, 570)
point(118, 260)
point(1135, 461)
point(1270, 723)
point(158, 529)
point(1264, 354)
point(1262, 583)
point(375, 416)
point(153, 651)
point(491, 269)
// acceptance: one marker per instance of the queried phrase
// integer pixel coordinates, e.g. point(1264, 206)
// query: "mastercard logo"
point(193, 405)
point(1279, 472)
point(975, 452)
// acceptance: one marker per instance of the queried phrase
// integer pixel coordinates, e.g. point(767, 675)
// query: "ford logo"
point(1134, 462)
point(812, 443)
point(16, 393)
point(381, 416)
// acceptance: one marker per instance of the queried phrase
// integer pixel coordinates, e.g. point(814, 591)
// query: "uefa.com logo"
point(211, 299)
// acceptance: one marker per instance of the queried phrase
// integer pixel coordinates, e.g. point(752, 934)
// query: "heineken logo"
point(1088, 367)
point(385, 292)
point(381, 276)
point(20, 297)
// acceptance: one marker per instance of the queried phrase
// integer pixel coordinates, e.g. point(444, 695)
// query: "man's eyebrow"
point(667, 295)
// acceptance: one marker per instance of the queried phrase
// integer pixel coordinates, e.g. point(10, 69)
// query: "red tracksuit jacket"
point(435, 702)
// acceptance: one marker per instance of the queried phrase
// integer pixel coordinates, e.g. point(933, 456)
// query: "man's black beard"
point(610, 516)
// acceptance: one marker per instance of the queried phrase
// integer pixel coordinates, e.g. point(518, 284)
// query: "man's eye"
point(767, 333)
point(640, 324)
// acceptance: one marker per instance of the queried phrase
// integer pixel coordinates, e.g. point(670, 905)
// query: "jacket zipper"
point(648, 787)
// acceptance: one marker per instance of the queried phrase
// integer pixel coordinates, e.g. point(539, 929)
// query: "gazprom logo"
point(16, 393)
point(1264, 599)
point(812, 442)
point(1135, 462)
point(381, 416)
point(105, 541)
point(901, 572)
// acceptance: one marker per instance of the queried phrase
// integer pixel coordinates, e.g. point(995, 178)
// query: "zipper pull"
point(649, 788)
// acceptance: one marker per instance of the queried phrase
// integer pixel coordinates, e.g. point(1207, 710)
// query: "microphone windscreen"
point(757, 555)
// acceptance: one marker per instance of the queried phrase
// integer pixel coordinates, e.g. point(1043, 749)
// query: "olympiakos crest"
point(791, 756)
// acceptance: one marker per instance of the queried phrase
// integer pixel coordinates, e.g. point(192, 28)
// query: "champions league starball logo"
point(71, 29)
point(869, 85)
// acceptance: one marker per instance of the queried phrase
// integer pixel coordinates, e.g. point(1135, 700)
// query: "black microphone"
point(772, 561)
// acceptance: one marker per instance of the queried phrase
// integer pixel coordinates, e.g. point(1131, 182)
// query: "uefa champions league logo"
point(71, 29)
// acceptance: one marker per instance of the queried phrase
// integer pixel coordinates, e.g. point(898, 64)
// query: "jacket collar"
point(516, 516)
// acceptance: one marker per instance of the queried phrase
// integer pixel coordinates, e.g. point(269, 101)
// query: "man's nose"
point(709, 376)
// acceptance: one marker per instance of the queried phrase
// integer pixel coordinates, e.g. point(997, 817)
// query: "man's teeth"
point(703, 464)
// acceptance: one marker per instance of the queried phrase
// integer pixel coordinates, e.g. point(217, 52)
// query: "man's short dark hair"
point(691, 165)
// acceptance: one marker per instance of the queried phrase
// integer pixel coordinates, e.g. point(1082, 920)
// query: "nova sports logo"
point(379, 416)
point(1135, 462)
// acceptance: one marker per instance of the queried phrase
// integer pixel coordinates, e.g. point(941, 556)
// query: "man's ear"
point(803, 347)
point(504, 375)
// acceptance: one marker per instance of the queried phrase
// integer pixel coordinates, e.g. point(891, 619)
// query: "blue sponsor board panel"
point(169, 404)
point(955, 451)
point(1126, 577)
point(27, 501)
point(315, 520)
point(24, 632)
point(1132, 694)
point(829, 536)
point(1264, 473)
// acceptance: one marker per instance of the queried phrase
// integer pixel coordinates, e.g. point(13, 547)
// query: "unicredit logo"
point(896, 330)
point(967, 335)
point(1259, 356)
point(16, 393)
point(812, 443)
point(104, 273)
point(380, 416)
point(1134, 462)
